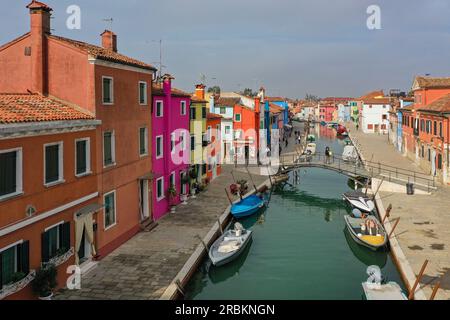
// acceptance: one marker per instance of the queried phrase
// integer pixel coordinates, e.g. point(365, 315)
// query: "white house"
point(374, 115)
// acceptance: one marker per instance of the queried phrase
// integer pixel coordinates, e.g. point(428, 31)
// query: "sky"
point(291, 47)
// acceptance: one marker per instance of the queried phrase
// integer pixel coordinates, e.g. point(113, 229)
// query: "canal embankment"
point(422, 232)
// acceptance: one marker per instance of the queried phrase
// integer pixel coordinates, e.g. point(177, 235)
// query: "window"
point(108, 90)
point(143, 141)
point(55, 241)
point(183, 108)
point(159, 147)
point(435, 128)
point(14, 259)
point(83, 157)
point(110, 209)
point(183, 185)
point(193, 114)
point(142, 93)
point(429, 155)
point(172, 142)
point(237, 117)
point(11, 172)
point(109, 151)
point(172, 180)
point(422, 125)
point(53, 161)
point(160, 189)
point(159, 109)
point(423, 151)
point(204, 112)
point(223, 110)
point(183, 140)
point(440, 130)
point(227, 129)
point(440, 161)
point(370, 127)
point(192, 143)
point(208, 134)
point(384, 117)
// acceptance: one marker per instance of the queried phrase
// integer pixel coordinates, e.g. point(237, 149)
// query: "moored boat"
point(229, 245)
point(350, 153)
point(368, 232)
point(360, 201)
point(247, 206)
point(310, 149)
point(375, 289)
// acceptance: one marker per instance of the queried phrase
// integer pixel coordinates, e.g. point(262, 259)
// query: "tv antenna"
point(110, 21)
point(161, 66)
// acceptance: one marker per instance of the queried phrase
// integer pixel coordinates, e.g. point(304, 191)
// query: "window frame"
point(113, 192)
point(145, 141)
point(160, 103)
point(145, 103)
point(240, 117)
point(172, 142)
point(160, 156)
point(19, 173)
point(183, 107)
point(163, 196)
point(88, 157)
point(103, 91)
point(60, 164)
point(172, 176)
point(113, 149)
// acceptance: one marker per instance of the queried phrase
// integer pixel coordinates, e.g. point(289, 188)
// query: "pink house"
point(170, 145)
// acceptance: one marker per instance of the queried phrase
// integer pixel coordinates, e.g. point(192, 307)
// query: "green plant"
point(186, 179)
point(193, 174)
point(172, 192)
point(45, 280)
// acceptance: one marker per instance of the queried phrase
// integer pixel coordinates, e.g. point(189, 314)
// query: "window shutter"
point(45, 247)
point(64, 233)
point(24, 257)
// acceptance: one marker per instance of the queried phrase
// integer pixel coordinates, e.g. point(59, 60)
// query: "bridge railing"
point(365, 168)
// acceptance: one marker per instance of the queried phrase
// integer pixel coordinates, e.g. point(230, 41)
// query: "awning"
point(151, 176)
point(91, 208)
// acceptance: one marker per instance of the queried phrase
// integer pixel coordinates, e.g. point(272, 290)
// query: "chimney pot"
point(200, 91)
point(109, 40)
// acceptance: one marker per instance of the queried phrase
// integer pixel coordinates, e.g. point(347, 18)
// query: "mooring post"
point(203, 242)
point(418, 278)
point(393, 228)
point(220, 225)
point(387, 213)
point(435, 290)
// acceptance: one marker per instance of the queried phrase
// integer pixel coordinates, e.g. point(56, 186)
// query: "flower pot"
point(173, 210)
point(49, 297)
point(193, 193)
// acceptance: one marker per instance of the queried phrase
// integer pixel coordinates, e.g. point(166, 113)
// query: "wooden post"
point(387, 213)
point(418, 278)
point(203, 242)
point(220, 225)
point(270, 179)
point(378, 189)
point(393, 228)
point(232, 174)
point(228, 196)
point(251, 178)
point(435, 290)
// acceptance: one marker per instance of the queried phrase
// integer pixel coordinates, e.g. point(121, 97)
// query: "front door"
point(433, 162)
point(84, 253)
point(143, 188)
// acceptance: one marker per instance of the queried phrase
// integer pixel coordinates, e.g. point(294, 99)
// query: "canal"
point(300, 248)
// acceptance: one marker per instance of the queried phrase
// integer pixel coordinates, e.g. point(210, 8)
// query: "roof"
point(196, 99)
point(103, 53)
point(337, 99)
point(227, 102)
point(440, 105)
point(371, 95)
point(275, 108)
point(384, 100)
point(19, 108)
point(430, 83)
point(212, 116)
point(157, 89)
point(38, 5)
point(275, 99)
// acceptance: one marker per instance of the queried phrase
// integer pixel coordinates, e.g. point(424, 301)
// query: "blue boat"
point(247, 206)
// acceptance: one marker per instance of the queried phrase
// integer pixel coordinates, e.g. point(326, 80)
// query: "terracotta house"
point(213, 136)
point(115, 90)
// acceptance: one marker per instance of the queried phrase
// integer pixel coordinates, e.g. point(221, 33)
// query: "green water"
point(300, 248)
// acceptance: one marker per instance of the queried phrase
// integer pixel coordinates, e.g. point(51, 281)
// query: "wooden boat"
point(360, 201)
point(350, 153)
point(247, 206)
point(388, 291)
point(363, 233)
point(229, 245)
point(310, 149)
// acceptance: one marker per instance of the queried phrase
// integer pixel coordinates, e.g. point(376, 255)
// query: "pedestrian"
point(327, 155)
point(357, 127)
point(287, 142)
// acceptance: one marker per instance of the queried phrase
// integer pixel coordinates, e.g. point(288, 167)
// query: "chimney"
point(200, 91)
point(109, 40)
point(262, 94)
point(40, 27)
point(167, 83)
point(257, 105)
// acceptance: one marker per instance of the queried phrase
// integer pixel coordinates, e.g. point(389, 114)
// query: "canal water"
point(300, 248)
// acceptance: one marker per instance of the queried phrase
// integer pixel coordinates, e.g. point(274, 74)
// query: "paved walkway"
point(424, 228)
point(143, 267)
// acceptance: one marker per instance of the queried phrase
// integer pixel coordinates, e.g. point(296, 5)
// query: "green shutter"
point(51, 163)
point(64, 234)
point(81, 157)
point(45, 247)
point(8, 183)
point(24, 257)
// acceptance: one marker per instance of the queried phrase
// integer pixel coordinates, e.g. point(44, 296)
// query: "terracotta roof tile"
point(440, 105)
point(212, 116)
point(275, 108)
point(431, 82)
point(227, 102)
point(17, 108)
point(371, 95)
point(157, 89)
point(103, 54)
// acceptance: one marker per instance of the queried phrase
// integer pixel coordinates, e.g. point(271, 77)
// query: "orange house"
point(48, 177)
point(114, 89)
point(246, 124)
point(213, 132)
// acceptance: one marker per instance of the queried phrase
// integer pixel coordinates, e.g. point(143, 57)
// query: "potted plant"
point(243, 186)
point(16, 277)
point(45, 282)
point(172, 193)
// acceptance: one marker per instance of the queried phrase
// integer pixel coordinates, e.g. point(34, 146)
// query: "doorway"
point(143, 189)
point(84, 253)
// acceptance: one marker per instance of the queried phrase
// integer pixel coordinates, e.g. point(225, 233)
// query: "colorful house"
point(170, 145)
point(246, 129)
point(225, 107)
point(100, 81)
point(213, 156)
point(199, 142)
point(374, 113)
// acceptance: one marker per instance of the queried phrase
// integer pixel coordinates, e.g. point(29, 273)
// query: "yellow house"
point(198, 132)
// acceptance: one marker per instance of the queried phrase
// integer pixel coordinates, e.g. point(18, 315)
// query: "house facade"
point(198, 143)
point(170, 145)
point(213, 156)
point(115, 90)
